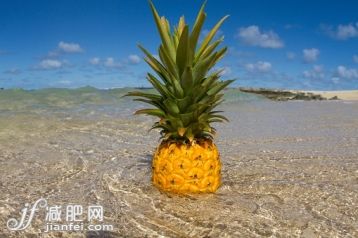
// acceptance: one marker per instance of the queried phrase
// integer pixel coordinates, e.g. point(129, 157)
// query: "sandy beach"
point(344, 95)
point(289, 168)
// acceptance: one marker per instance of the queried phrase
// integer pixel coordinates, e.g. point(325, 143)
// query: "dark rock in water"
point(281, 95)
point(334, 98)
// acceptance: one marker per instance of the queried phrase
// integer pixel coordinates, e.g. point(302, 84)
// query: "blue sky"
point(277, 44)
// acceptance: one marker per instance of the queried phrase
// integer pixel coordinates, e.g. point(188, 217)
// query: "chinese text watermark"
point(61, 218)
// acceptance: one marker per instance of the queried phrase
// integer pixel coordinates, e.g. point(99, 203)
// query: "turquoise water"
point(17, 100)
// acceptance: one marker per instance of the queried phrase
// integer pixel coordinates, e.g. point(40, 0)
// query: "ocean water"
point(83, 100)
point(289, 168)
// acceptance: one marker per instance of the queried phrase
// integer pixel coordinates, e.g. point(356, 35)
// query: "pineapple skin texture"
point(183, 169)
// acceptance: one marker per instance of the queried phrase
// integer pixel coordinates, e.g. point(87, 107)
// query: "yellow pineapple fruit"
point(187, 160)
point(187, 168)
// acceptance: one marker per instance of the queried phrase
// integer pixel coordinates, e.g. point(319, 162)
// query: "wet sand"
point(290, 169)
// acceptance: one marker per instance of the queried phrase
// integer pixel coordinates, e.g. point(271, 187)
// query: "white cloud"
point(69, 47)
point(355, 58)
point(63, 48)
point(111, 63)
point(50, 64)
point(290, 55)
point(347, 31)
point(347, 73)
point(252, 35)
point(260, 67)
point(310, 55)
point(108, 62)
point(342, 32)
point(316, 72)
point(13, 71)
point(134, 59)
point(335, 80)
point(95, 61)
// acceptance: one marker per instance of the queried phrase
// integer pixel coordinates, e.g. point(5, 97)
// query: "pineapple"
point(187, 93)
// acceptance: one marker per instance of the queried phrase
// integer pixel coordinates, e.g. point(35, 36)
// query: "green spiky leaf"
point(187, 88)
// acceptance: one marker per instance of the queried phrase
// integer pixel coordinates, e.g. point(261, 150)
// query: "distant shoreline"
point(307, 95)
point(273, 94)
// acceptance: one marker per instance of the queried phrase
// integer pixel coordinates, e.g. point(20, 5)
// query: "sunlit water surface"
point(290, 169)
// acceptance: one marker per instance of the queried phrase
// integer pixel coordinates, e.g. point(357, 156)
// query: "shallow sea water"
point(290, 169)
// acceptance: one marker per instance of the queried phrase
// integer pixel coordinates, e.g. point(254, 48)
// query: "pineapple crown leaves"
point(187, 91)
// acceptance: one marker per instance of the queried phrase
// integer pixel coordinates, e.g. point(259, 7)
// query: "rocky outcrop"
point(283, 95)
